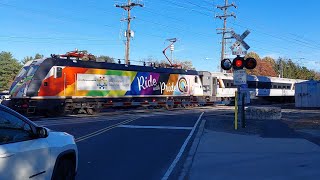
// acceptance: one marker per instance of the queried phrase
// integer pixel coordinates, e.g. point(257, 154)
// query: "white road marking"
point(182, 149)
point(155, 127)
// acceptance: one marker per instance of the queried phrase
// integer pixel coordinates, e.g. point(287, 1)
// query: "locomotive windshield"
point(32, 70)
point(23, 78)
point(24, 69)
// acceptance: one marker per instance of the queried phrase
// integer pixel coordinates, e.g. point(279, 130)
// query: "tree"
point(151, 61)
point(26, 59)
point(317, 76)
point(253, 55)
point(265, 66)
point(29, 58)
point(186, 64)
point(106, 59)
point(9, 68)
point(286, 68)
point(38, 56)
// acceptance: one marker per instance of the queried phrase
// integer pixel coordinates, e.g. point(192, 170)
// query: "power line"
point(197, 5)
point(173, 27)
point(276, 37)
point(184, 7)
point(53, 38)
point(47, 13)
point(65, 43)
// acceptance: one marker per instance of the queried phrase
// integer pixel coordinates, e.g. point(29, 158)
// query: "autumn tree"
point(183, 64)
point(265, 66)
point(106, 59)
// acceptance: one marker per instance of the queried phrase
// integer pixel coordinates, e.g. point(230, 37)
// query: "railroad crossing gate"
point(236, 47)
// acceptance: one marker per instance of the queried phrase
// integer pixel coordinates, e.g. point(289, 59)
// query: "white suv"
point(28, 151)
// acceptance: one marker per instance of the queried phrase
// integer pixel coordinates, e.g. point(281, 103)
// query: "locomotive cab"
point(22, 81)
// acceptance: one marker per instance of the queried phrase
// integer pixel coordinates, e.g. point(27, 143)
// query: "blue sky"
point(286, 28)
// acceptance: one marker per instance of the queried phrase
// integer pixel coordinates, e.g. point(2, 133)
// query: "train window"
point(23, 71)
point(252, 84)
point(274, 86)
point(58, 72)
point(196, 79)
point(288, 87)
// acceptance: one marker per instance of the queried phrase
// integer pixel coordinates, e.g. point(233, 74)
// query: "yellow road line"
point(98, 132)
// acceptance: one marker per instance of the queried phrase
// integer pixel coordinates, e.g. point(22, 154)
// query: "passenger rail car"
point(219, 86)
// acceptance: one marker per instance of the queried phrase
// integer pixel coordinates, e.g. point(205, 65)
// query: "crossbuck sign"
point(236, 48)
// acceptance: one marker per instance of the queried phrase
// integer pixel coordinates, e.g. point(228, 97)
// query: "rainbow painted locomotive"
point(56, 85)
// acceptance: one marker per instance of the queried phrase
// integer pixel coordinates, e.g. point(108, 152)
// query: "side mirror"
point(42, 132)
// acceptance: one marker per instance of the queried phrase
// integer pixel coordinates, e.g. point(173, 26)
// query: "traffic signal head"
point(250, 63)
point(238, 62)
point(226, 64)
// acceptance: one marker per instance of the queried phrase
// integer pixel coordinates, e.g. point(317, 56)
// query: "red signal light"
point(238, 63)
point(250, 63)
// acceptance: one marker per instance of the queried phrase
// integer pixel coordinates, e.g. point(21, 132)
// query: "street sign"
point(239, 51)
point(240, 40)
point(240, 77)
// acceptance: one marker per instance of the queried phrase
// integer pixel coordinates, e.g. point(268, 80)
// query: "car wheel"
point(65, 170)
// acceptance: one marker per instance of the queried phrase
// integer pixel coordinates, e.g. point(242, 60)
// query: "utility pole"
point(127, 7)
point(225, 30)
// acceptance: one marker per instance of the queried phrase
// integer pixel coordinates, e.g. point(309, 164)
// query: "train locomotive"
point(81, 84)
point(57, 85)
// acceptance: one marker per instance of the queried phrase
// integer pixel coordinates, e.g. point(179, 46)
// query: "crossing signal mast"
point(128, 7)
point(225, 30)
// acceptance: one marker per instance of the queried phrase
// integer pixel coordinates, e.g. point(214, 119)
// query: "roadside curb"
point(309, 137)
point(184, 174)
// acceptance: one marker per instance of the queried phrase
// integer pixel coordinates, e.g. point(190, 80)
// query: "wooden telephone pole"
point(127, 7)
point(224, 30)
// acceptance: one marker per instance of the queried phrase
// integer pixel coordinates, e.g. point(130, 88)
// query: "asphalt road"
point(128, 146)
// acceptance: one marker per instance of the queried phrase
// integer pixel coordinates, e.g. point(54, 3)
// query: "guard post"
point(240, 78)
point(236, 111)
point(243, 110)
